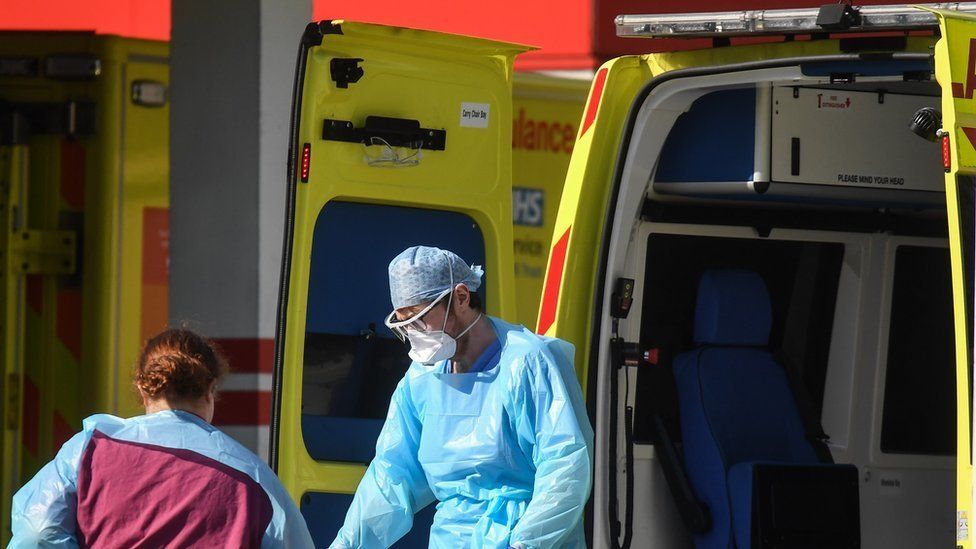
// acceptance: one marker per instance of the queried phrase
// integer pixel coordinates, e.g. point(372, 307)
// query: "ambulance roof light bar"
point(780, 21)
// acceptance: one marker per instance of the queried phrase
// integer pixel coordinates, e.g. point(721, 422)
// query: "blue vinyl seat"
point(743, 437)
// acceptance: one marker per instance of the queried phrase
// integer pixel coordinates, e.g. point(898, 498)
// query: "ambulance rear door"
point(955, 55)
point(13, 296)
point(399, 137)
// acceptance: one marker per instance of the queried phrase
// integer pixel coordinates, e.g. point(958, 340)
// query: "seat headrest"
point(733, 308)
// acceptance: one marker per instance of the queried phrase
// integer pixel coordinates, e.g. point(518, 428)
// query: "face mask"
point(429, 348)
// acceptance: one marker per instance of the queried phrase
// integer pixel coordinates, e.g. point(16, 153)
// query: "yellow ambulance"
point(763, 253)
point(84, 248)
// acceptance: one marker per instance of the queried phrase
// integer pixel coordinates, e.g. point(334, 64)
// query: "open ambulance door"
point(399, 137)
point(955, 55)
point(31, 256)
point(13, 189)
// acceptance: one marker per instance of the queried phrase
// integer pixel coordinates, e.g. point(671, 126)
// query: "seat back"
point(735, 400)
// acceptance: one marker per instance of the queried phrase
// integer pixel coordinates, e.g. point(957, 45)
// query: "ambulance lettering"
point(541, 135)
point(527, 206)
point(832, 102)
point(891, 485)
point(474, 115)
point(870, 179)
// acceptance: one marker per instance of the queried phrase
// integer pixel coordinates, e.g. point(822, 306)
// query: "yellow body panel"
point(141, 226)
point(583, 204)
point(954, 55)
point(546, 113)
point(408, 74)
point(82, 328)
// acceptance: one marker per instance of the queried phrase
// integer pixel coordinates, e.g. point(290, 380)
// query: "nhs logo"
point(528, 206)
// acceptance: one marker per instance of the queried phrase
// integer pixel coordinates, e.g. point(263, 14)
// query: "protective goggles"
point(416, 322)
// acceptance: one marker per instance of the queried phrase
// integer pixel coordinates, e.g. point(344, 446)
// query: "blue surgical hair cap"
point(421, 273)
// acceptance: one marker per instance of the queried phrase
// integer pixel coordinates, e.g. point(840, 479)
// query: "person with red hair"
point(164, 479)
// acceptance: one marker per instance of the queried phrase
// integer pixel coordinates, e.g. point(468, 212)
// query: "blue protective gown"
point(506, 451)
point(45, 510)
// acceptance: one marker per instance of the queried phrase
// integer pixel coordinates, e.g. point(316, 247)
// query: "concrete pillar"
point(232, 64)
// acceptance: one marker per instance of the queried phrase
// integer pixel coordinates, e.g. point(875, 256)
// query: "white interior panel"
point(852, 139)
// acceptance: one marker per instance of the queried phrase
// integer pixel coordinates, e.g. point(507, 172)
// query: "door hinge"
point(43, 252)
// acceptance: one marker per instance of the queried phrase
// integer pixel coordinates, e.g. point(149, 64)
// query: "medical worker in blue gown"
point(489, 421)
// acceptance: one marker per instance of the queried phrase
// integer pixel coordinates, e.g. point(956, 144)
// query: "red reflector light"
point(946, 152)
point(652, 356)
point(554, 278)
point(306, 161)
point(593, 104)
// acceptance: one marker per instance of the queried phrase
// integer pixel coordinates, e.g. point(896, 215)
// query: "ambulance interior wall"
point(845, 316)
point(880, 379)
point(818, 142)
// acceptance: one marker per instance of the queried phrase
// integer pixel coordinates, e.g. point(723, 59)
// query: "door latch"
point(346, 70)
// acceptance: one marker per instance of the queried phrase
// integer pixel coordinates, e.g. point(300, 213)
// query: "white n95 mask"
point(429, 348)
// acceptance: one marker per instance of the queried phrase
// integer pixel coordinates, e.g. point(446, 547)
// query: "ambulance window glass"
point(919, 398)
point(352, 363)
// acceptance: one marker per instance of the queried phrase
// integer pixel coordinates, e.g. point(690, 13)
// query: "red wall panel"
point(563, 30)
point(148, 19)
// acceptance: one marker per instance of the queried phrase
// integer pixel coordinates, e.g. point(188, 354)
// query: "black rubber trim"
point(627, 132)
point(310, 38)
point(764, 220)
point(613, 505)
point(328, 27)
point(873, 43)
point(795, 156)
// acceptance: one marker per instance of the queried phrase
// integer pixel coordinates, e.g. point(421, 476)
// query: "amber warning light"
point(306, 161)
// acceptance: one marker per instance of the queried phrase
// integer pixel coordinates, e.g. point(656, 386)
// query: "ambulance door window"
point(352, 362)
point(919, 406)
